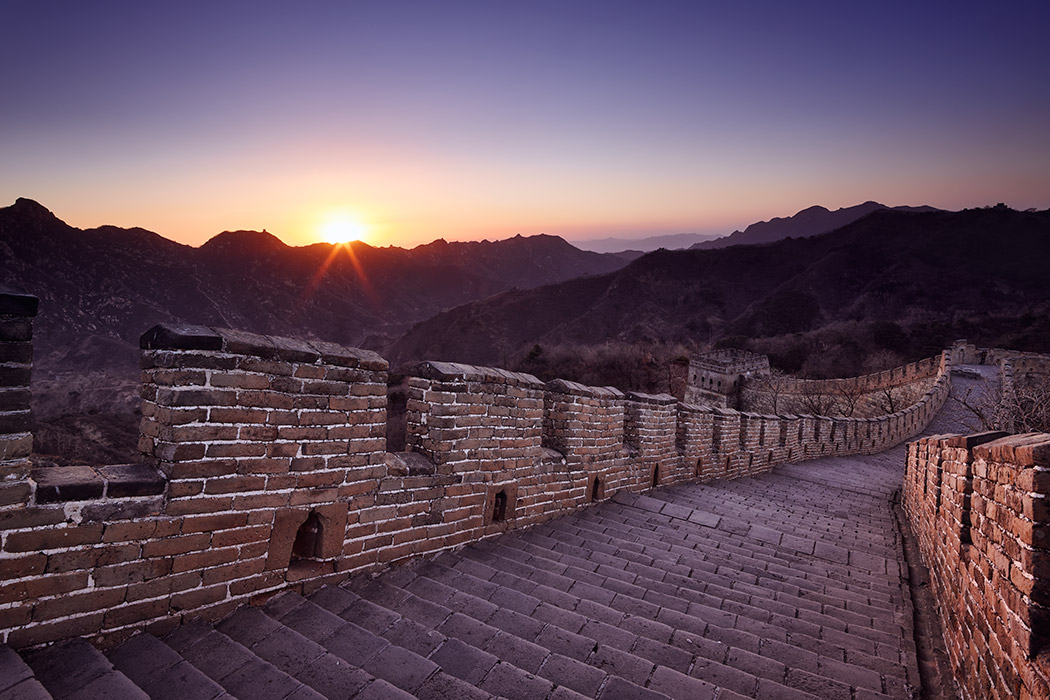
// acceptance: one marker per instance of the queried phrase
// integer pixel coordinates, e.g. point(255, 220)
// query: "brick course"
point(253, 434)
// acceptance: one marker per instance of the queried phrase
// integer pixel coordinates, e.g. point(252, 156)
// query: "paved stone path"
point(790, 585)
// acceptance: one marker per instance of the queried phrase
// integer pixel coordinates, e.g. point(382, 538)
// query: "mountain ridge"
point(901, 267)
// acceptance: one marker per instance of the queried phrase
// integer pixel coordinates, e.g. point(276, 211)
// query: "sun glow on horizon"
point(341, 229)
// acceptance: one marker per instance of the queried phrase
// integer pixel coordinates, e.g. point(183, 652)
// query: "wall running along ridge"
point(272, 463)
point(863, 395)
point(979, 508)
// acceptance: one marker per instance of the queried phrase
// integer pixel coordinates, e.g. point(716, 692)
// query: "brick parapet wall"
point(17, 310)
point(860, 397)
point(978, 506)
point(246, 438)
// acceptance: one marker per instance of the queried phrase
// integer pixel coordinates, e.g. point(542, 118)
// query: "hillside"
point(915, 279)
point(813, 221)
point(109, 284)
point(101, 288)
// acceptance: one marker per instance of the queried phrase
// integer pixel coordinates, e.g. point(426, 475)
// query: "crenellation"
point(250, 439)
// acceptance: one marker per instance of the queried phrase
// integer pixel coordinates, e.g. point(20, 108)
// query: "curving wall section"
point(274, 462)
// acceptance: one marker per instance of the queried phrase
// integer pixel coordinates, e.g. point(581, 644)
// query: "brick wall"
point(270, 463)
point(860, 397)
point(978, 506)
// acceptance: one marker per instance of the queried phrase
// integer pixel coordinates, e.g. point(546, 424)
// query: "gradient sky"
point(469, 120)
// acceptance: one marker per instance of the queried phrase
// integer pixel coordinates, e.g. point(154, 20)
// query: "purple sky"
point(484, 119)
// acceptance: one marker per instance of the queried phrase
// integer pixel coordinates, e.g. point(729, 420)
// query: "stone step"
point(162, 672)
point(17, 681)
point(510, 658)
point(722, 583)
point(75, 670)
point(669, 638)
point(636, 646)
point(758, 621)
point(399, 658)
point(502, 668)
point(233, 666)
point(804, 571)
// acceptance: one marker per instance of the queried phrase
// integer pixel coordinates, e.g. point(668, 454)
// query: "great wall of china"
point(273, 463)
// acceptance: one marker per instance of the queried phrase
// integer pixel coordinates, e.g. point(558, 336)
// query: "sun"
point(342, 230)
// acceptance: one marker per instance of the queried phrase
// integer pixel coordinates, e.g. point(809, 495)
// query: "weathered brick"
point(53, 538)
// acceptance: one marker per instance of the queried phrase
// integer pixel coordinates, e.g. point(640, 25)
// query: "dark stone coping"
point(564, 386)
point(81, 483)
point(969, 441)
point(657, 399)
point(457, 371)
point(17, 302)
point(176, 336)
point(695, 407)
point(1024, 450)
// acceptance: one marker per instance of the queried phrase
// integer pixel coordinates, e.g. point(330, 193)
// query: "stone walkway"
point(789, 585)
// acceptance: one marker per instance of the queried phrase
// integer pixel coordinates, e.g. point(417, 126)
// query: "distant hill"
point(673, 241)
point(101, 288)
point(813, 221)
point(977, 273)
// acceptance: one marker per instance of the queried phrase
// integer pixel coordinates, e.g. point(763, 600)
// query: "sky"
point(470, 120)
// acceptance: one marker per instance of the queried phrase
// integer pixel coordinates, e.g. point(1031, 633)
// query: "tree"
point(1025, 408)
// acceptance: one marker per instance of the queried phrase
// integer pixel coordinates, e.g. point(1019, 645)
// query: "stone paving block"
point(678, 685)
point(381, 690)
point(593, 610)
point(463, 661)
point(567, 643)
point(107, 686)
point(25, 689)
point(13, 670)
point(334, 598)
point(815, 684)
point(609, 635)
point(351, 643)
point(509, 621)
point(523, 654)
point(161, 672)
point(422, 611)
point(768, 690)
point(374, 618)
point(662, 654)
point(442, 686)
point(742, 681)
point(258, 679)
point(621, 689)
point(67, 667)
point(561, 670)
point(413, 636)
point(468, 630)
point(400, 667)
point(512, 683)
point(621, 664)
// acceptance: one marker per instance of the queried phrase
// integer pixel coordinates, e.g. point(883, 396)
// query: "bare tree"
point(1025, 409)
point(890, 400)
point(816, 400)
point(850, 394)
point(772, 388)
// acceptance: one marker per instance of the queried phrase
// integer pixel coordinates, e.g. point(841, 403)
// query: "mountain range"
point(812, 221)
point(101, 288)
point(490, 302)
point(930, 273)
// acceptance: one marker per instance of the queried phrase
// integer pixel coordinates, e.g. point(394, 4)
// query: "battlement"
point(274, 463)
point(977, 505)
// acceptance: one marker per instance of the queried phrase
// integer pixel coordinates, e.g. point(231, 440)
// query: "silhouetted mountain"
point(101, 288)
point(813, 221)
point(674, 241)
point(917, 269)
